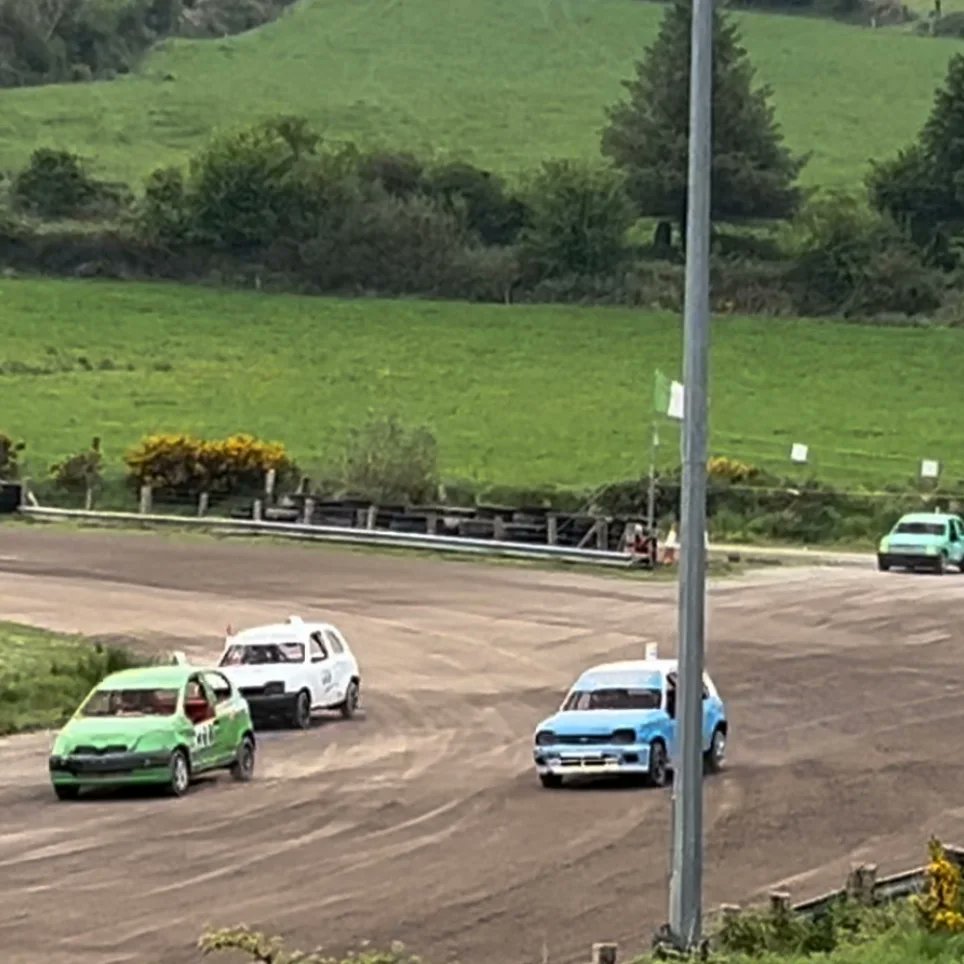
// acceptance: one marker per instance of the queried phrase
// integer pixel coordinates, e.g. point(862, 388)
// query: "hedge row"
point(388, 464)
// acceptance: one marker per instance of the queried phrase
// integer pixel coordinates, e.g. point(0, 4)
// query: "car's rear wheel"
point(940, 567)
point(716, 753)
point(658, 772)
point(551, 781)
point(179, 777)
point(301, 715)
point(243, 767)
point(66, 791)
point(350, 702)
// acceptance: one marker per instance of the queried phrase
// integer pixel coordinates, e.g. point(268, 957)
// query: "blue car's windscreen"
point(613, 698)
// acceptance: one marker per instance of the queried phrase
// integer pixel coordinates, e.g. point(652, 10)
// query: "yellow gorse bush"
point(939, 906)
point(186, 464)
point(730, 470)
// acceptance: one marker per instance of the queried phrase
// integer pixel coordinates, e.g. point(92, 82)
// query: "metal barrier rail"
point(341, 534)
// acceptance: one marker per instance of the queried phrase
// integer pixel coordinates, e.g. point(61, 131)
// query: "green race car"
point(160, 725)
point(923, 540)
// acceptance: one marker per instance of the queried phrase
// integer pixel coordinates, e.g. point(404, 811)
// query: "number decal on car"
point(203, 735)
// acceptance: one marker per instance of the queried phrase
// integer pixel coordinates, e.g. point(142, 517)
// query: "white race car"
point(292, 670)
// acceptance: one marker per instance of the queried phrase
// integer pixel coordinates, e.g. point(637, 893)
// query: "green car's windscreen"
point(131, 702)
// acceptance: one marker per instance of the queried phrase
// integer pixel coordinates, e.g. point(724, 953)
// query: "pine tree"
point(923, 186)
point(753, 174)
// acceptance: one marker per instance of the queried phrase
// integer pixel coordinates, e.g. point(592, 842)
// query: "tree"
point(753, 174)
point(923, 186)
point(578, 219)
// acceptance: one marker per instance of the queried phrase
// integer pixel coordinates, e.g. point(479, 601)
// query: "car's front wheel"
point(551, 781)
point(179, 776)
point(883, 564)
point(940, 567)
point(243, 767)
point(350, 702)
point(301, 715)
point(658, 772)
point(66, 791)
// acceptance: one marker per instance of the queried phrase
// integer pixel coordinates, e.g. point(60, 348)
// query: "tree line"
point(278, 203)
point(56, 41)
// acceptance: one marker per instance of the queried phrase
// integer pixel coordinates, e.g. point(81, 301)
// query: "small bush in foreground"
point(80, 474)
point(940, 907)
point(9, 453)
point(272, 950)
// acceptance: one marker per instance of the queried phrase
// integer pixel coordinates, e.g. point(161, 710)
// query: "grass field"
point(516, 396)
point(503, 82)
point(44, 676)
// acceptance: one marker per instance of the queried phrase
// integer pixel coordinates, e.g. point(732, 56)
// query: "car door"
point(671, 708)
point(340, 668)
point(199, 708)
point(956, 535)
point(320, 669)
point(227, 717)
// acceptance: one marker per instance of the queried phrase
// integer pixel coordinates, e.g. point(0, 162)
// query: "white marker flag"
point(799, 452)
point(930, 469)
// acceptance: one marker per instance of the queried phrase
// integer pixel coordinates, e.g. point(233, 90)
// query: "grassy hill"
point(515, 395)
point(503, 82)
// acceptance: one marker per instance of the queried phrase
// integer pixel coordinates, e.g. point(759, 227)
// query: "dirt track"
point(423, 821)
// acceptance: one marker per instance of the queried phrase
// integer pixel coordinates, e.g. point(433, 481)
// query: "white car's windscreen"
point(258, 654)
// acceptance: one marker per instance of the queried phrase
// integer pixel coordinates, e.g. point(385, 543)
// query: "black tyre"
point(716, 754)
point(658, 773)
point(243, 767)
point(301, 715)
point(179, 778)
point(551, 781)
point(940, 567)
point(882, 564)
point(350, 703)
point(66, 792)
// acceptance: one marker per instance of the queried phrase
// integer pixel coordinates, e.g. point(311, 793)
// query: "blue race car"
point(620, 719)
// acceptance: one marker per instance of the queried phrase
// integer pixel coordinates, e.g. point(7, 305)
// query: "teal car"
point(923, 540)
point(160, 725)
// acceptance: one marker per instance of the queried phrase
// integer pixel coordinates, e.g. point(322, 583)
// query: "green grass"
point(517, 396)
point(44, 675)
point(503, 82)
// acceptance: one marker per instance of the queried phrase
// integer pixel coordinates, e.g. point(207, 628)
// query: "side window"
point(219, 686)
point(334, 642)
point(316, 648)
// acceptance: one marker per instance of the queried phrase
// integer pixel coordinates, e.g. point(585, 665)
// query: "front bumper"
point(77, 768)
point(563, 761)
point(278, 704)
point(908, 560)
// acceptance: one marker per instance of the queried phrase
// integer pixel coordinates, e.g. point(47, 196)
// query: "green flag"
point(667, 396)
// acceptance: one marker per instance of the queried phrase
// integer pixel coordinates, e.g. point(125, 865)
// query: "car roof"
point(150, 677)
point(294, 631)
point(927, 517)
point(638, 671)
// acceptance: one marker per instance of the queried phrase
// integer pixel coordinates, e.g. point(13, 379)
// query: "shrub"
point(940, 907)
point(271, 950)
point(182, 465)
point(9, 457)
point(856, 262)
point(386, 462)
point(80, 474)
point(55, 184)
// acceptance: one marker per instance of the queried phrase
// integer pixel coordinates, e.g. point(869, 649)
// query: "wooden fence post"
point(202, 503)
point(604, 953)
point(257, 512)
point(371, 517)
point(498, 528)
point(89, 497)
point(780, 901)
point(146, 500)
point(431, 523)
point(602, 535)
point(308, 511)
point(269, 481)
point(861, 883)
point(552, 529)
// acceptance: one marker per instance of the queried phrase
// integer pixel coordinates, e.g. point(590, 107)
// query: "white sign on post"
point(799, 452)
point(675, 400)
point(930, 469)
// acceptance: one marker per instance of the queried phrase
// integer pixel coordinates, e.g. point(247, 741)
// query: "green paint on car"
point(160, 725)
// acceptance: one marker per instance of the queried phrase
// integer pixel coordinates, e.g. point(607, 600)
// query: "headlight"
point(883, 544)
point(545, 738)
point(931, 550)
point(152, 742)
point(274, 689)
point(624, 736)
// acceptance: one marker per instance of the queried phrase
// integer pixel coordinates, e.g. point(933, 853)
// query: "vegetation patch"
point(45, 675)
